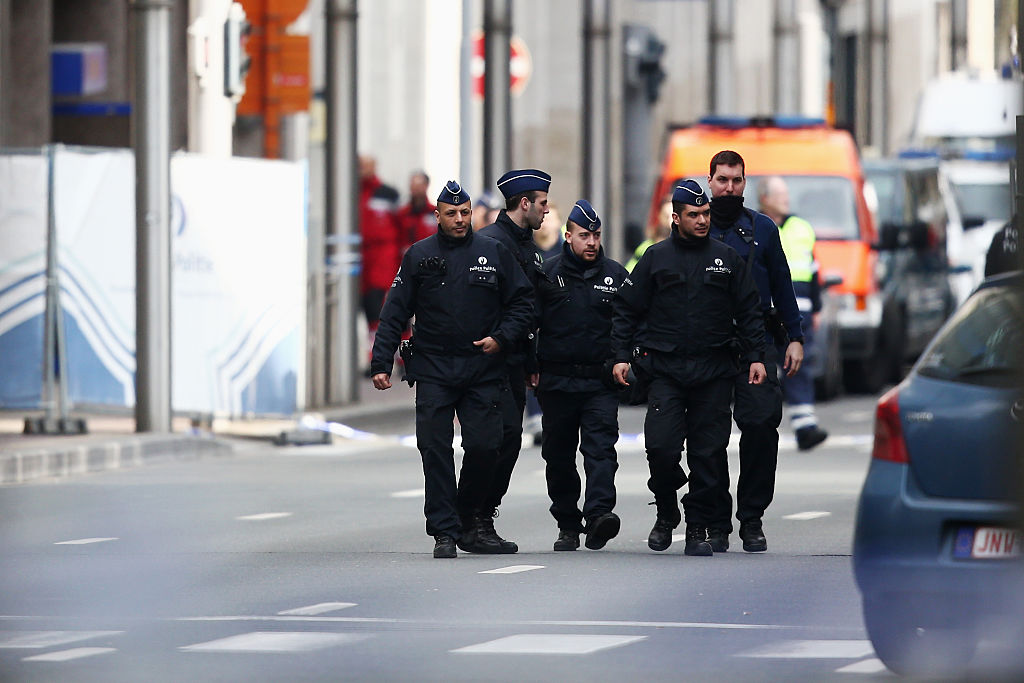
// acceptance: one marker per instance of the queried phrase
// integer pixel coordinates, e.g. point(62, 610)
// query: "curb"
point(30, 463)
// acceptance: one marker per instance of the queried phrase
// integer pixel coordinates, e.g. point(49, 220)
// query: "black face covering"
point(726, 209)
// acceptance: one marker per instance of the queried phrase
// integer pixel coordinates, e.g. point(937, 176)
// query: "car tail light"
point(889, 442)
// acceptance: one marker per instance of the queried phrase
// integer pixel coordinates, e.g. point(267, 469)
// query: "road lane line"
point(867, 666)
point(84, 541)
point(514, 569)
point(603, 624)
point(262, 516)
point(549, 644)
point(804, 516)
point(31, 640)
point(320, 608)
point(275, 641)
point(812, 649)
point(68, 655)
point(410, 493)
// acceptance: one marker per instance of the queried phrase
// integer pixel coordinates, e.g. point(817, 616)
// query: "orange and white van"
point(821, 166)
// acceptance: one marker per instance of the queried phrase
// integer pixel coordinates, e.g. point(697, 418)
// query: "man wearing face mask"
point(581, 406)
point(757, 408)
point(526, 202)
point(675, 319)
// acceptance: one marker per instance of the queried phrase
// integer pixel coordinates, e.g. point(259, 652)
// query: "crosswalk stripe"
point(813, 649)
point(514, 569)
point(549, 644)
point(68, 655)
point(85, 541)
point(867, 666)
point(320, 608)
point(275, 641)
point(262, 516)
point(804, 516)
point(409, 493)
point(30, 640)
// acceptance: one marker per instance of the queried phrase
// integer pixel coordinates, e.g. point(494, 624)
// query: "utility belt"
point(585, 370)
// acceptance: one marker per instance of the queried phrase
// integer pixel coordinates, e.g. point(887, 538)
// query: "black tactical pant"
point(479, 414)
point(589, 421)
point(698, 415)
point(758, 413)
point(513, 402)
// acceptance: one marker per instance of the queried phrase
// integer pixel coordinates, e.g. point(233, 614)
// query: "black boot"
point(668, 519)
point(474, 538)
point(487, 532)
point(752, 536)
point(696, 543)
point(809, 437)
point(567, 540)
point(719, 539)
point(444, 546)
point(602, 529)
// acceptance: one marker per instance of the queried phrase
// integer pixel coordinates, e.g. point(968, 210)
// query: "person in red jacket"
point(381, 245)
point(416, 219)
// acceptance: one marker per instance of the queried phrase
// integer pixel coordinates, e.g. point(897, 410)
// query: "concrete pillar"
point(786, 58)
point(28, 90)
point(721, 17)
point(595, 149)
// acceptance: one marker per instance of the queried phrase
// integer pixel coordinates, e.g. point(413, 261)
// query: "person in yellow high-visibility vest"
point(797, 237)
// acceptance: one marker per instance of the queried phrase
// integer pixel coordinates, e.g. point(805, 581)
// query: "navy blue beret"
point(583, 215)
point(453, 194)
point(523, 180)
point(689, 192)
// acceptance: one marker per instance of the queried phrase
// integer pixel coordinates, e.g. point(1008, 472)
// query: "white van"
point(969, 112)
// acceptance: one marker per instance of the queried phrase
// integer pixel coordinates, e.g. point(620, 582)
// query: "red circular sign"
point(520, 66)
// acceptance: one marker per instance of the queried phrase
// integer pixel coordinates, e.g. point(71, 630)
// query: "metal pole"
point(878, 74)
point(52, 399)
point(342, 199)
point(466, 96)
point(958, 35)
point(152, 141)
point(595, 153)
point(497, 98)
point(720, 99)
point(636, 133)
point(786, 58)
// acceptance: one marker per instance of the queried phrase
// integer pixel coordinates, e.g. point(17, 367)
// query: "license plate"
point(987, 542)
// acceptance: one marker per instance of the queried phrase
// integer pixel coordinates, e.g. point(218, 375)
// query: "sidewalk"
point(112, 442)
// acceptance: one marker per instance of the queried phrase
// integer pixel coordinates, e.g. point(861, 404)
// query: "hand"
point(533, 380)
point(488, 345)
point(794, 358)
point(757, 373)
point(619, 372)
point(382, 381)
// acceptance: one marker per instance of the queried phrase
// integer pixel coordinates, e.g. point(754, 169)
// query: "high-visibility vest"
point(797, 237)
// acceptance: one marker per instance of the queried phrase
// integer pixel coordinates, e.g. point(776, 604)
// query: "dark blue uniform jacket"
point(770, 269)
point(460, 291)
point(574, 317)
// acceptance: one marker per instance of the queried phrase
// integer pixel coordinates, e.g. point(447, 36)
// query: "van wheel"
point(830, 383)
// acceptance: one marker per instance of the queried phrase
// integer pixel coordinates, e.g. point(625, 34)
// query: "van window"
point(986, 201)
point(826, 202)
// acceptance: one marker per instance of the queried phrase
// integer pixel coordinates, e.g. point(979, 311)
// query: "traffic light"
point(236, 59)
point(650, 67)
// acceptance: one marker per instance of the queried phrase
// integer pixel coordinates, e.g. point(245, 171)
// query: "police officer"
point(471, 302)
point(757, 408)
point(580, 404)
point(797, 237)
point(674, 319)
point(526, 203)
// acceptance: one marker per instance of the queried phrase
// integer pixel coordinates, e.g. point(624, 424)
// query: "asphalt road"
point(311, 564)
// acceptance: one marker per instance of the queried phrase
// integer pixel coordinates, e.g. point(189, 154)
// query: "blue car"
point(937, 545)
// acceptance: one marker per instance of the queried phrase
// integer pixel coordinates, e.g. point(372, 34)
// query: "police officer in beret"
point(472, 303)
point(758, 409)
point(526, 203)
point(580, 403)
point(673, 319)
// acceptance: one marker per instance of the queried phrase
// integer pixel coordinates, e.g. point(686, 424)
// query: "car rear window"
point(826, 202)
point(982, 343)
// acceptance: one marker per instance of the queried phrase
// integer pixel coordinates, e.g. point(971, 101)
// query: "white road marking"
point(84, 541)
point(319, 608)
point(804, 516)
point(263, 515)
point(858, 416)
point(275, 641)
point(68, 655)
point(813, 649)
point(411, 493)
point(867, 666)
point(31, 640)
point(514, 569)
point(678, 538)
point(549, 644)
point(609, 624)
